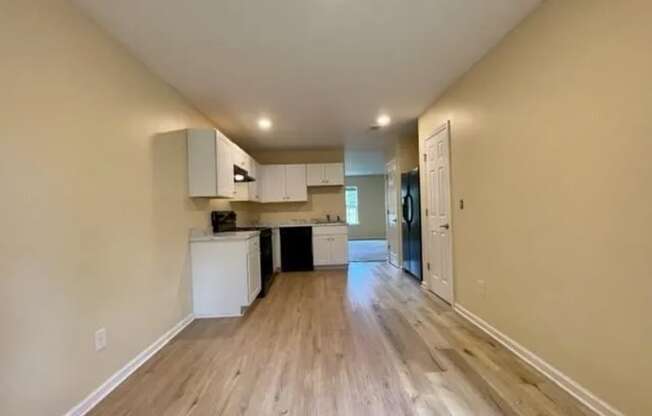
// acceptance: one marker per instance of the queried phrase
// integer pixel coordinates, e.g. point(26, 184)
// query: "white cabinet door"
point(253, 274)
point(255, 187)
point(295, 183)
point(273, 183)
point(325, 174)
point(333, 174)
point(253, 168)
point(339, 249)
point(240, 157)
point(315, 174)
point(225, 182)
point(253, 194)
point(321, 250)
point(202, 163)
point(242, 192)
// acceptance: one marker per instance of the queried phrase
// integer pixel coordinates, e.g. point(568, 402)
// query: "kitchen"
point(293, 207)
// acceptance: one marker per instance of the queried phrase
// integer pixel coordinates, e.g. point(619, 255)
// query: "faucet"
point(328, 217)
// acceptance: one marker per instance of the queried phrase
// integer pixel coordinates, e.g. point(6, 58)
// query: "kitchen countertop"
point(307, 224)
point(200, 235)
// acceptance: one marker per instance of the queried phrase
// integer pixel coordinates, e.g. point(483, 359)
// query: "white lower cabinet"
point(340, 249)
point(330, 245)
point(226, 276)
point(253, 271)
point(321, 250)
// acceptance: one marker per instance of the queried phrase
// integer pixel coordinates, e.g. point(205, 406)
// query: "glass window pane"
point(351, 197)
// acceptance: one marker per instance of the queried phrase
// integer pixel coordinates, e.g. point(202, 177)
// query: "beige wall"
point(408, 153)
point(94, 217)
point(405, 151)
point(321, 200)
point(371, 207)
point(551, 151)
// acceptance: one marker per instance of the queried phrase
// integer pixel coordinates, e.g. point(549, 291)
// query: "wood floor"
point(326, 343)
point(367, 250)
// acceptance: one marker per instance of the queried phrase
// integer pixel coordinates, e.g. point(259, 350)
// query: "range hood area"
point(240, 175)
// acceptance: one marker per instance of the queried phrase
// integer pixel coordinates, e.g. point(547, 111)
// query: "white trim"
point(121, 375)
point(562, 380)
point(397, 190)
point(219, 315)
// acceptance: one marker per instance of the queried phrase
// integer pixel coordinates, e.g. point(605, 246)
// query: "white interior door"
point(439, 267)
point(392, 209)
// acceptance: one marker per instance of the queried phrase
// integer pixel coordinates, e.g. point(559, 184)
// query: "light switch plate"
point(100, 339)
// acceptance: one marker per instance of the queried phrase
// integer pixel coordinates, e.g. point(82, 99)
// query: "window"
point(352, 205)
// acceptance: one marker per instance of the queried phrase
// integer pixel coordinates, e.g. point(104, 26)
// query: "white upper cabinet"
point(241, 158)
point(210, 164)
point(273, 183)
point(255, 187)
point(211, 157)
point(283, 183)
point(225, 181)
point(253, 168)
point(334, 173)
point(325, 174)
point(295, 183)
point(250, 191)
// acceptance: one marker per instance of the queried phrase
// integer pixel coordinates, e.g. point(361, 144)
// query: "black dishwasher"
point(296, 249)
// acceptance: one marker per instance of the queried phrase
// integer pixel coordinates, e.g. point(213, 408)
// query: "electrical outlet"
point(482, 288)
point(100, 339)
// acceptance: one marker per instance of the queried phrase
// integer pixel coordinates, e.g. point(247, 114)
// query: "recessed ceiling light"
point(383, 120)
point(264, 123)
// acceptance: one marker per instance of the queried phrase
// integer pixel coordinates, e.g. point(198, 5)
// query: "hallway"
point(370, 342)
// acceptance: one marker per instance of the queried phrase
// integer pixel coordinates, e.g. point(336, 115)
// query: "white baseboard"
point(121, 375)
point(219, 315)
point(572, 387)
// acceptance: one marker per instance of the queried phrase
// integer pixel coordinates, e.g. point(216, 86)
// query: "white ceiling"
point(322, 70)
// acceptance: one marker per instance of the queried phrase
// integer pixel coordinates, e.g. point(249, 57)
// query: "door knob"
point(445, 226)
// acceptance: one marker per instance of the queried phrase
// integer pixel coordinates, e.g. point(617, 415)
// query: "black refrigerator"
point(411, 224)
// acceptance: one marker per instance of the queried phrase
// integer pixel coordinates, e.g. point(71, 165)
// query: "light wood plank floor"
point(366, 342)
point(367, 250)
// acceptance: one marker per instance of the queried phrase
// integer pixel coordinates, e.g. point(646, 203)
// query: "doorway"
point(365, 207)
point(438, 226)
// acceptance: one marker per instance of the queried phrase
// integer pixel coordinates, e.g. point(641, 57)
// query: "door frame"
point(397, 192)
point(425, 226)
